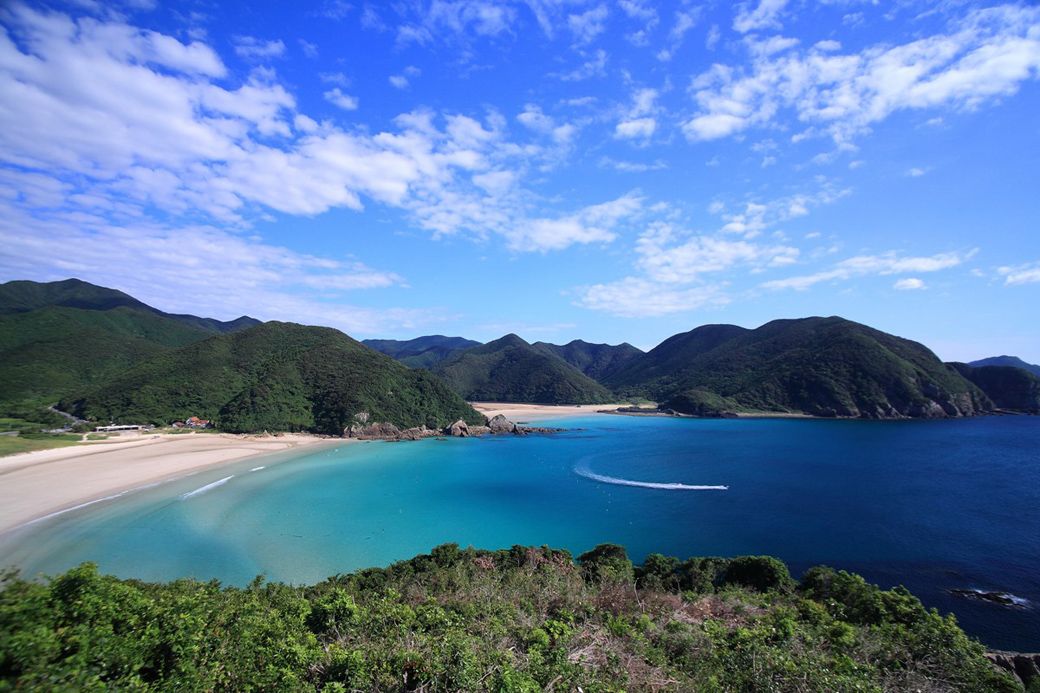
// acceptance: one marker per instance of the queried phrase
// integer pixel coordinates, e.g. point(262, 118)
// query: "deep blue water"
point(932, 505)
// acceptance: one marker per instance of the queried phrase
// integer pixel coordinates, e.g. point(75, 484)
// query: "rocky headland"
point(363, 429)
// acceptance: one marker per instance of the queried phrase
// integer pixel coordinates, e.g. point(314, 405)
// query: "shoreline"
point(513, 410)
point(44, 483)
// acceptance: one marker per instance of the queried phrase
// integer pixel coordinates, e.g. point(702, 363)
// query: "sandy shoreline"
point(37, 484)
point(525, 412)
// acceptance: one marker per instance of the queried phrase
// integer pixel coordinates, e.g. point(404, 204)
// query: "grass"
point(12, 445)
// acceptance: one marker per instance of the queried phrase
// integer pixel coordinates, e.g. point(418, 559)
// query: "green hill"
point(1009, 387)
point(511, 370)
point(277, 377)
point(598, 361)
point(818, 366)
point(517, 620)
point(1007, 361)
point(421, 352)
point(60, 338)
point(24, 296)
point(672, 356)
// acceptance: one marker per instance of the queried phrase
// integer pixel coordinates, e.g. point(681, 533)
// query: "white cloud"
point(867, 265)
point(1028, 273)
point(633, 297)
point(632, 166)
point(916, 172)
point(199, 270)
point(667, 255)
point(137, 120)
point(684, 21)
point(398, 81)
point(337, 98)
point(587, 25)
point(252, 48)
point(985, 55)
point(309, 49)
point(596, 66)
point(637, 128)
point(458, 19)
point(592, 224)
point(909, 284)
point(764, 16)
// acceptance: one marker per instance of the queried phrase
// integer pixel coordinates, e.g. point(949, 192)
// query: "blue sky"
point(612, 171)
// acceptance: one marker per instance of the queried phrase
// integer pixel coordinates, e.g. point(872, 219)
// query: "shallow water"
point(932, 505)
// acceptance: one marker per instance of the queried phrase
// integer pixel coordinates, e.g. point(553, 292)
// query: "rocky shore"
point(363, 429)
point(1023, 666)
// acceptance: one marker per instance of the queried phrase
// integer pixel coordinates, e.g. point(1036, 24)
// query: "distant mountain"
point(60, 337)
point(25, 296)
point(1010, 387)
point(597, 361)
point(818, 366)
point(511, 370)
point(1007, 361)
point(672, 355)
point(421, 352)
point(274, 376)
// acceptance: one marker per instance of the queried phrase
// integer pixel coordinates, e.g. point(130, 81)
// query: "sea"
point(936, 506)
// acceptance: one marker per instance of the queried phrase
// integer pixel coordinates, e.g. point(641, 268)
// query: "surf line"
point(583, 470)
point(207, 487)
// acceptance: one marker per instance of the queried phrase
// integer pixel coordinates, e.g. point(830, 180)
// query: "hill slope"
point(1009, 387)
point(513, 620)
point(1007, 361)
point(58, 338)
point(421, 352)
point(672, 355)
point(23, 296)
point(818, 366)
point(511, 370)
point(274, 376)
point(598, 361)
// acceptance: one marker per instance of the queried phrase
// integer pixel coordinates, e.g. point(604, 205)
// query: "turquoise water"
point(932, 505)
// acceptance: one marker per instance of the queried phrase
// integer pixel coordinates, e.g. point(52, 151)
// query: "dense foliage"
point(421, 352)
point(818, 366)
point(511, 370)
point(598, 361)
point(60, 338)
point(517, 620)
point(1010, 387)
point(276, 377)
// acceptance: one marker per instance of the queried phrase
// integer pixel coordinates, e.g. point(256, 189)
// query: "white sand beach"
point(40, 483)
point(526, 412)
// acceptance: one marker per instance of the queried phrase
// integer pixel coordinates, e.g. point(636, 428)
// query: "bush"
point(607, 562)
point(761, 573)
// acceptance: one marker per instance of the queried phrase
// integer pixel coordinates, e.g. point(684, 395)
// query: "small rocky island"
point(363, 429)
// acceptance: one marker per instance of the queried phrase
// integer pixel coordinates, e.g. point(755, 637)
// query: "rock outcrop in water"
point(497, 425)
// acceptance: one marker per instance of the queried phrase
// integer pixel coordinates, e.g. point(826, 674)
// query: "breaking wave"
point(583, 470)
point(207, 487)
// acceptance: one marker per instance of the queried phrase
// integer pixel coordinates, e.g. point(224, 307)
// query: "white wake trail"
point(207, 487)
point(583, 470)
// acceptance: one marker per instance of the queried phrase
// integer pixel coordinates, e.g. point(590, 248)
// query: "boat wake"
point(207, 487)
point(583, 470)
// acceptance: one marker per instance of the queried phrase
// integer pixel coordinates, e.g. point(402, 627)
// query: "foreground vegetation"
point(524, 619)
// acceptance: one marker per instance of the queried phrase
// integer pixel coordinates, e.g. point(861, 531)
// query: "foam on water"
point(583, 470)
point(207, 487)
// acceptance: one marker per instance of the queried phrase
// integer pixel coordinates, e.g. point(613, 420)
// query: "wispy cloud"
point(1028, 273)
point(866, 265)
point(984, 56)
point(252, 48)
